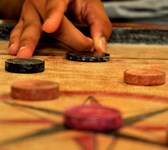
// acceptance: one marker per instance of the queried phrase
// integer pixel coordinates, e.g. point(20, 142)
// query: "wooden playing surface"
point(39, 125)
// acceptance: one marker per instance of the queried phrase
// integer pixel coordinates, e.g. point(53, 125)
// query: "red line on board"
point(118, 94)
point(106, 93)
point(87, 142)
point(151, 128)
point(26, 121)
point(5, 96)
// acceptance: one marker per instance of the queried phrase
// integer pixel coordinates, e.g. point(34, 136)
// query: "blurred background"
point(137, 11)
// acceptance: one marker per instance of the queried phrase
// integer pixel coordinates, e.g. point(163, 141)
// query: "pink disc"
point(93, 118)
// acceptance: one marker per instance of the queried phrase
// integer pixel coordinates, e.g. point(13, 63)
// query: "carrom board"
point(38, 125)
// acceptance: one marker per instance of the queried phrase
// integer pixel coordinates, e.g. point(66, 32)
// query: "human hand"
point(27, 32)
point(92, 14)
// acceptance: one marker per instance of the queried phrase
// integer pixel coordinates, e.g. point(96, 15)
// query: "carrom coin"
point(85, 56)
point(144, 77)
point(35, 90)
point(93, 118)
point(24, 65)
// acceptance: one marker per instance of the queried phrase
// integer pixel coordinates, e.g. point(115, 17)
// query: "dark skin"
point(38, 16)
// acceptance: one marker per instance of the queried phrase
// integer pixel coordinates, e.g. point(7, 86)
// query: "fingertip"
point(47, 26)
point(24, 52)
point(13, 48)
point(100, 44)
point(50, 25)
point(89, 45)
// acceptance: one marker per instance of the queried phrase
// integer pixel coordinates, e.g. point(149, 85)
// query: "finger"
point(31, 32)
point(55, 11)
point(15, 38)
point(29, 39)
point(72, 37)
point(100, 25)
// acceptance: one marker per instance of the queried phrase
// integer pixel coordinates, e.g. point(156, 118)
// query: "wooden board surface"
point(39, 125)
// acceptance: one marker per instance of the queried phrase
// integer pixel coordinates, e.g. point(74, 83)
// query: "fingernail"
point(11, 46)
point(12, 49)
point(21, 52)
point(102, 43)
point(22, 48)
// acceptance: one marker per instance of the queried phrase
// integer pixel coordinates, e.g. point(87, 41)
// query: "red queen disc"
point(92, 118)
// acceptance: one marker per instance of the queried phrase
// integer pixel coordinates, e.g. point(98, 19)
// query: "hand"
point(92, 13)
point(27, 32)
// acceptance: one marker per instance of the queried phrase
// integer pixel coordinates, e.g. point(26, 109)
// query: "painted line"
point(118, 94)
point(5, 96)
point(151, 128)
point(105, 93)
point(26, 121)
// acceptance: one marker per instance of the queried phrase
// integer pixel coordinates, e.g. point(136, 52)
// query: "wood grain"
point(38, 125)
